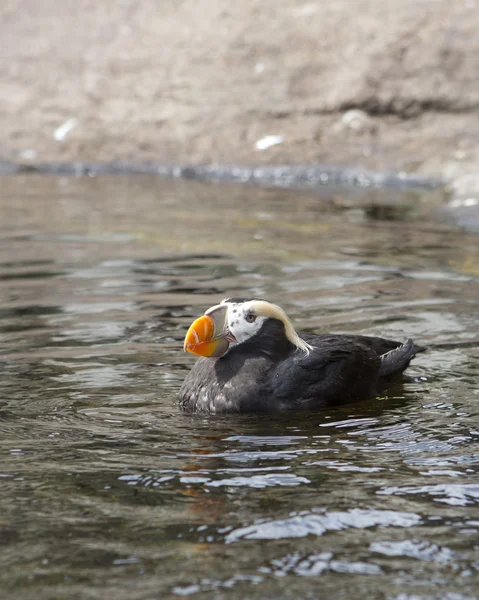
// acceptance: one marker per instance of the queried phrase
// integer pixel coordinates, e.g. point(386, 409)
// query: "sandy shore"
point(389, 86)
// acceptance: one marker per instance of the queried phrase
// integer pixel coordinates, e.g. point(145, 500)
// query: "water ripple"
point(317, 524)
point(453, 494)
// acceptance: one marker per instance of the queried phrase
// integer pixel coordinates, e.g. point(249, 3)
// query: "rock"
point(357, 121)
point(463, 205)
point(198, 83)
point(268, 141)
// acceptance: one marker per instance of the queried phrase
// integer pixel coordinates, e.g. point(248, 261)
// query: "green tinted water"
point(108, 491)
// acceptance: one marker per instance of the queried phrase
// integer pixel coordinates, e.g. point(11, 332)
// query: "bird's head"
point(233, 322)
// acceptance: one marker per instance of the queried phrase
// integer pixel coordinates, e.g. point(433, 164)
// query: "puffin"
point(252, 360)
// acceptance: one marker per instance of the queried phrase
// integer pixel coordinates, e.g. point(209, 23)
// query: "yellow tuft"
point(267, 309)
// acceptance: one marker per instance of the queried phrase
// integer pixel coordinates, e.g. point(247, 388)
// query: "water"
point(108, 491)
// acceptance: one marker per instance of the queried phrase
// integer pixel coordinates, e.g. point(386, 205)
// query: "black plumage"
point(268, 373)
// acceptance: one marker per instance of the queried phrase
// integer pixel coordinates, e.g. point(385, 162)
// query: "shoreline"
point(460, 206)
point(308, 176)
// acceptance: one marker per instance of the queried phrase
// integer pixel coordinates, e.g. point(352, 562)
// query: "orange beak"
point(207, 335)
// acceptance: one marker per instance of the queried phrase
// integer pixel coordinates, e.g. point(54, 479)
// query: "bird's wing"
point(337, 370)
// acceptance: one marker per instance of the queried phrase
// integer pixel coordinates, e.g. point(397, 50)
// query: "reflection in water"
point(107, 490)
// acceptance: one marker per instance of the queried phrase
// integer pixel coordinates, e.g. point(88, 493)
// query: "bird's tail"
point(397, 360)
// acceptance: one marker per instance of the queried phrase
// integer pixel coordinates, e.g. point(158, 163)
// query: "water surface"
point(108, 491)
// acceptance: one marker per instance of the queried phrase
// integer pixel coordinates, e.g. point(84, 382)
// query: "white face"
point(243, 322)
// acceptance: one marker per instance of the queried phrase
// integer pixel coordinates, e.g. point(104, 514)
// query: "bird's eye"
point(250, 317)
